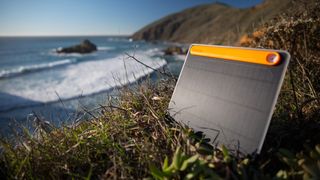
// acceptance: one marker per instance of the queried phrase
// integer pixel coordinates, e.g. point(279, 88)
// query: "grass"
point(128, 134)
point(133, 137)
point(298, 109)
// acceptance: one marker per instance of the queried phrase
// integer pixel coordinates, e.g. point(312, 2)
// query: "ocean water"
point(34, 79)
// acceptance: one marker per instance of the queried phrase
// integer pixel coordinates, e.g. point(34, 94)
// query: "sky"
point(90, 17)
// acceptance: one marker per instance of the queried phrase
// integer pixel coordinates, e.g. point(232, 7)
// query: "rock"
point(85, 47)
point(174, 50)
point(214, 23)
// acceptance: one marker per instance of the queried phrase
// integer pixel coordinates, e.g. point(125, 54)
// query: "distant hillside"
point(214, 23)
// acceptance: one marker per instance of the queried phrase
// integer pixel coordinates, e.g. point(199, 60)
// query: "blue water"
point(35, 79)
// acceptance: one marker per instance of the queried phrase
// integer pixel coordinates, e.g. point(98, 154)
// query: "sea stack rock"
point(85, 47)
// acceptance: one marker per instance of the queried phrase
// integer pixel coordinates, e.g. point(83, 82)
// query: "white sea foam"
point(53, 52)
point(105, 48)
point(180, 57)
point(30, 68)
point(155, 51)
point(88, 77)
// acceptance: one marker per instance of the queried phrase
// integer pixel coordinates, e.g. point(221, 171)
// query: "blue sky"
point(89, 17)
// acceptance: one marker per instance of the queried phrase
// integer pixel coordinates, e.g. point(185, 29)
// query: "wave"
point(105, 48)
point(53, 52)
point(89, 77)
point(180, 57)
point(33, 68)
point(119, 39)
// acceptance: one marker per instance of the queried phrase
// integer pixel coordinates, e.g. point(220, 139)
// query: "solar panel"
point(229, 93)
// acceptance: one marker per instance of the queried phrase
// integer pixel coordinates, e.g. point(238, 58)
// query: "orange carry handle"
point(237, 54)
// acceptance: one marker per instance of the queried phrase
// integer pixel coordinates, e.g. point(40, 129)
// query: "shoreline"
point(51, 111)
point(111, 89)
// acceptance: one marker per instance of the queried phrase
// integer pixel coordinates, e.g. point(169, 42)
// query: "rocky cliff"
point(213, 23)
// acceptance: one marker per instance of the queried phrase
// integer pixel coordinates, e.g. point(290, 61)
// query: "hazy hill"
point(213, 23)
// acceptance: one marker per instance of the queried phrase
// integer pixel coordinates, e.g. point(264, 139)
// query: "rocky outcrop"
point(173, 50)
point(212, 23)
point(85, 47)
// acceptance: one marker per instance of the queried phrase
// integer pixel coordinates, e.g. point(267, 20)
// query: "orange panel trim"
point(237, 54)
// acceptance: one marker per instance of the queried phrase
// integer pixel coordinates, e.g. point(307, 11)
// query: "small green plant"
point(184, 167)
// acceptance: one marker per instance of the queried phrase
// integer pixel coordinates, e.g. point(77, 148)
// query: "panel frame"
point(285, 57)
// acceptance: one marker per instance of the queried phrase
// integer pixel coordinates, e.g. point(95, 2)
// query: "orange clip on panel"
point(245, 55)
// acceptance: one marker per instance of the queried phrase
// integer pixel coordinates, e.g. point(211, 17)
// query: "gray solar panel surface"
point(230, 101)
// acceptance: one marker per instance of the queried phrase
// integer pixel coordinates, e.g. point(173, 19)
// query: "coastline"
point(64, 111)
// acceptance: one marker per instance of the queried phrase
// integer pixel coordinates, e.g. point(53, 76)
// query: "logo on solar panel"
point(229, 93)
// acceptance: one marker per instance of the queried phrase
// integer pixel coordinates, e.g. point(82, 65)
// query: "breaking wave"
point(33, 68)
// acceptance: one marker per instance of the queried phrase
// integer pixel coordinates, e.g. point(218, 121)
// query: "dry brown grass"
point(296, 121)
point(299, 33)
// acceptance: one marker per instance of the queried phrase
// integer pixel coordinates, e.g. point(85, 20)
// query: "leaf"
point(206, 140)
point(282, 174)
point(190, 176)
point(194, 173)
point(170, 170)
point(189, 161)
point(225, 152)
point(245, 161)
point(156, 173)
point(165, 163)
point(301, 162)
point(204, 148)
point(177, 158)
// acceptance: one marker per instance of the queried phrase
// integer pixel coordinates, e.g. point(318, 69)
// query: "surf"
point(34, 68)
point(86, 78)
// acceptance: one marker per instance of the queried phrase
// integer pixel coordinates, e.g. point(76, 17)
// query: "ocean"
point(34, 79)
